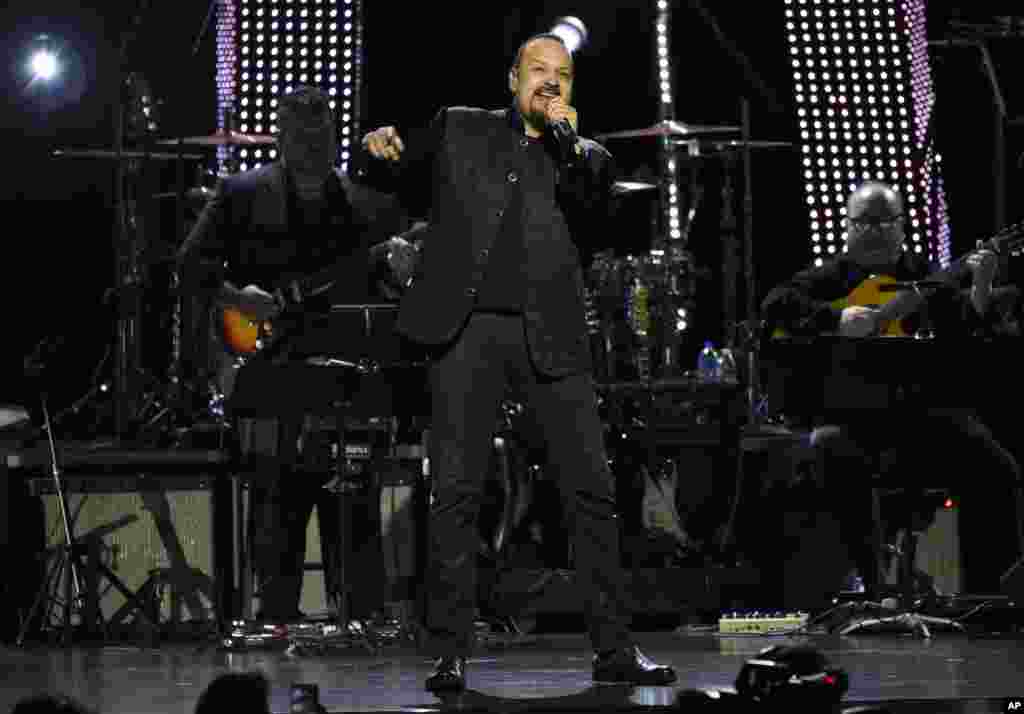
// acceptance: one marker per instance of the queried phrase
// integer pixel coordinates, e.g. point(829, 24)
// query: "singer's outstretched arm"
point(409, 175)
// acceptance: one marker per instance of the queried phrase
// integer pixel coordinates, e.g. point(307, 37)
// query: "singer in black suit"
point(513, 200)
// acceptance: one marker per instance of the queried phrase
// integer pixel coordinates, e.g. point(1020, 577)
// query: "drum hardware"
point(222, 138)
point(662, 294)
point(737, 144)
point(670, 128)
point(134, 155)
point(137, 120)
point(622, 188)
point(194, 197)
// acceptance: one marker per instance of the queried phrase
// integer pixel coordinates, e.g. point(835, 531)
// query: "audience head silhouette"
point(243, 692)
point(50, 704)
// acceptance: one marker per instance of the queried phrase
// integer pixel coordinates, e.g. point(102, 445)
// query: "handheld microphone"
point(563, 132)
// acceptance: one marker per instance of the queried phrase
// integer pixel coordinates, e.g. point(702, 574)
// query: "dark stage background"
point(418, 58)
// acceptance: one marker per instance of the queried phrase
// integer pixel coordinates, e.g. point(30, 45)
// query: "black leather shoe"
point(449, 675)
point(630, 666)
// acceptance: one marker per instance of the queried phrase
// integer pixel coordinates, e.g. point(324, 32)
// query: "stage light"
point(300, 40)
point(44, 61)
point(870, 41)
point(572, 32)
point(44, 65)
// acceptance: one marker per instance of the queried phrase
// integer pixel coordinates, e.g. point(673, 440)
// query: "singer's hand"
point(384, 143)
point(557, 110)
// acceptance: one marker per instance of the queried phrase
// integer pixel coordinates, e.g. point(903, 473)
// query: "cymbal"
point(198, 193)
point(109, 154)
point(671, 128)
point(223, 138)
point(623, 187)
point(740, 144)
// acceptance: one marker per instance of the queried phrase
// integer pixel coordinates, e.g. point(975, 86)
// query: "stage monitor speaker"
point(154, 533)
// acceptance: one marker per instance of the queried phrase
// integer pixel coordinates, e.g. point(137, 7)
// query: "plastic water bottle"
point(709, 364)
point(727, 369)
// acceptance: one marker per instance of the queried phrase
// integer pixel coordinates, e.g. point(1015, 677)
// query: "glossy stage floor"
point(949, 673)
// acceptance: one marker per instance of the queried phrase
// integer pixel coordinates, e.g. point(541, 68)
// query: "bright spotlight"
point(52, 73)
point(44, 65)
point(572, 31)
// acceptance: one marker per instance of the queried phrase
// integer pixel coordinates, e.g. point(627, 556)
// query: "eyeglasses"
point(863, 224)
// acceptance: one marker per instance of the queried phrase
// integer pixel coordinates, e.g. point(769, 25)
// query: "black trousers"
point(928, 449)
point(290, 470)
point(468, 382)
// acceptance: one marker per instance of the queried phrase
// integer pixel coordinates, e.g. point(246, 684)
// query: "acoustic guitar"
point(895, 304)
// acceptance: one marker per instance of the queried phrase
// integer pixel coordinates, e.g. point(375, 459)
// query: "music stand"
point(293, 389)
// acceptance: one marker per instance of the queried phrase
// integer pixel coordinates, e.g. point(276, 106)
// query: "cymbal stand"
point(752, 331)
point(126, 269)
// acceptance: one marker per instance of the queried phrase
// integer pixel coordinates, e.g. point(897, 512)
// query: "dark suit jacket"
point(458, 175)
point(243, 234)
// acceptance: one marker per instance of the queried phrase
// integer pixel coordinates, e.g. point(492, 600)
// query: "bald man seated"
point(853, 444)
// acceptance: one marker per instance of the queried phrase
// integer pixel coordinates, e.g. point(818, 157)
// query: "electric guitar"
point(244, 335)
point(894, 305)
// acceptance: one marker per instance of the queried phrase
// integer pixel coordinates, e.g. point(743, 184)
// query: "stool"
point(901, 614)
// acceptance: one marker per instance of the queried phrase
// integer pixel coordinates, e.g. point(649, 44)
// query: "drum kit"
point(639, 306)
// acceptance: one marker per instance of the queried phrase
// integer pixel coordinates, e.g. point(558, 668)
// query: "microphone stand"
point(77, 561)
point(752, 347)
point(65, 561)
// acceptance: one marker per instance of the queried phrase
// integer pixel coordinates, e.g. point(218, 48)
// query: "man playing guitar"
point(297, 221)
point(845, 297)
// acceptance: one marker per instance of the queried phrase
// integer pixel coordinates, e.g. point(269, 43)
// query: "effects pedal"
point(760, 623)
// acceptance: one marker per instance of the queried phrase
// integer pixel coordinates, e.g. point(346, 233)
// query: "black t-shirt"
point(503, 289)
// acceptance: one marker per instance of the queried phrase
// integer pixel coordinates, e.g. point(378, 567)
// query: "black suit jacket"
point(244, 234)
point(458, 174)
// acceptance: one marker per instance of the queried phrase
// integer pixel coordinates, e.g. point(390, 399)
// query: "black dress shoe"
point(449, 675)
point(630, 666)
